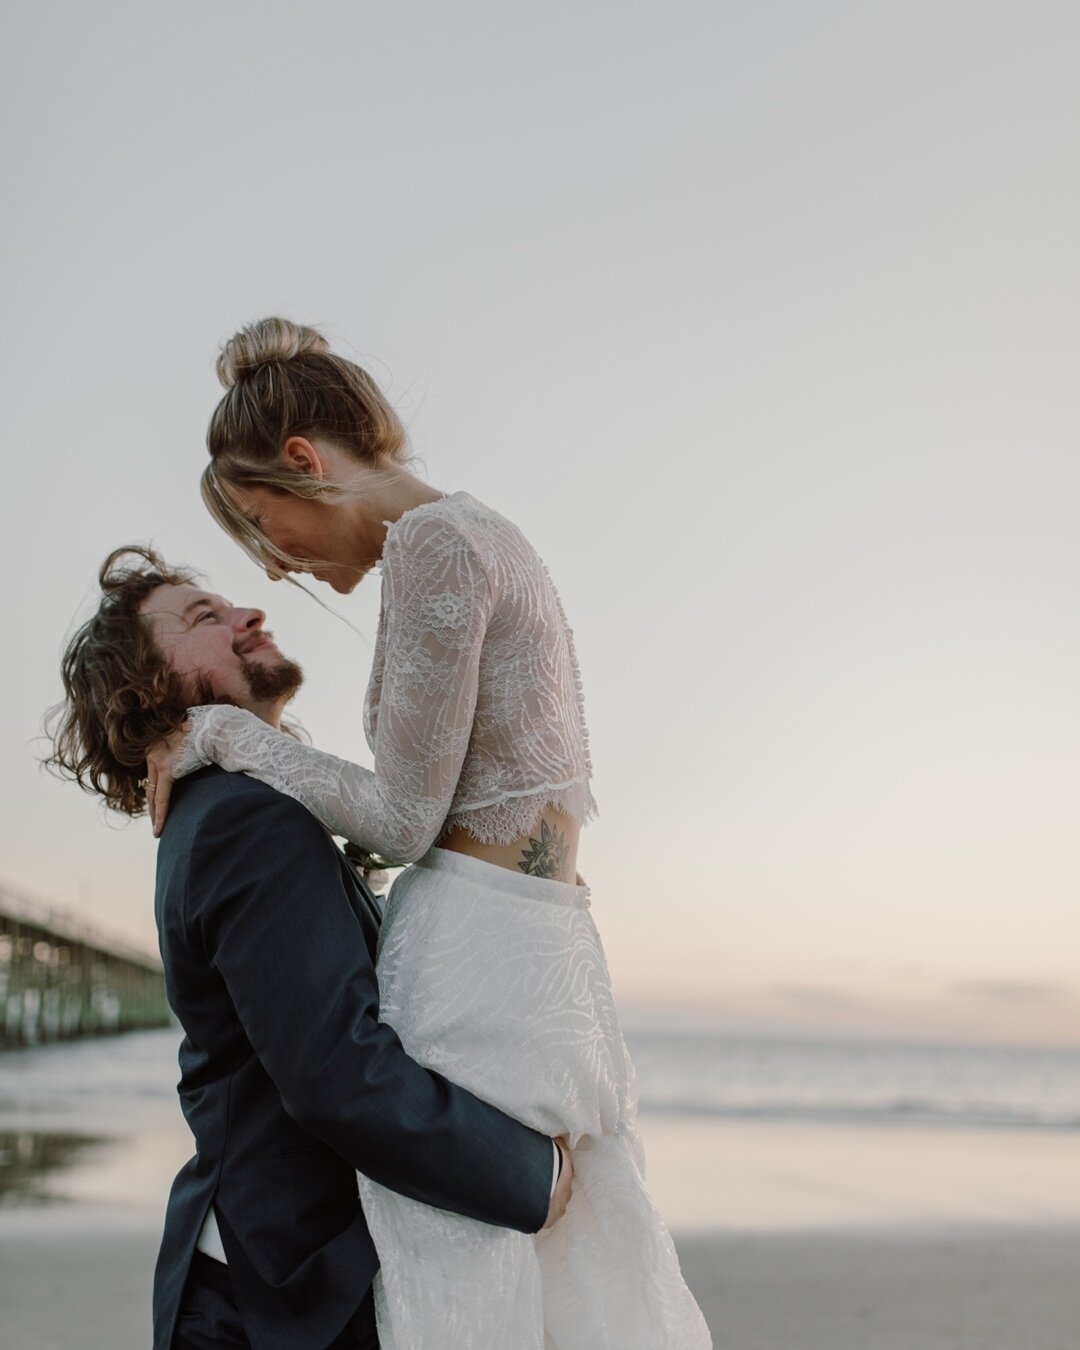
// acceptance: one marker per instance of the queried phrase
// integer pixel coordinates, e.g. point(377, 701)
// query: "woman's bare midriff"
point(548, 850)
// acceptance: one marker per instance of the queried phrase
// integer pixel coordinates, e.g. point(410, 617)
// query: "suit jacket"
point(289, 1082)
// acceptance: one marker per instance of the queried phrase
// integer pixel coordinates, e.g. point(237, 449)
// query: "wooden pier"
point(60, 978)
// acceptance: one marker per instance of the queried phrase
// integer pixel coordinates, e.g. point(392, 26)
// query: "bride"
point(490, 968)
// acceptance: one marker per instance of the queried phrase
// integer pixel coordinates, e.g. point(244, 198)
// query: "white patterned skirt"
point(498, 980)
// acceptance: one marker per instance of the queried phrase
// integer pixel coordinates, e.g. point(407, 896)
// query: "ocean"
point(689, 1074)
point(857, 1082)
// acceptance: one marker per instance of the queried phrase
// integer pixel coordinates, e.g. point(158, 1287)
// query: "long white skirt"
point(498, 980)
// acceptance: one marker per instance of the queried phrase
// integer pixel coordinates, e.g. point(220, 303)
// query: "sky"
point(761, 320)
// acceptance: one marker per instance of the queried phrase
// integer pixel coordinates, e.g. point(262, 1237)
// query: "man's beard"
point(267, 683)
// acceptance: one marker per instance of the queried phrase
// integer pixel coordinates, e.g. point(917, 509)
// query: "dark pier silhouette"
point(60, 978)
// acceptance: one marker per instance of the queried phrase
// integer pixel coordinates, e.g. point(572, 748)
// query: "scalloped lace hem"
point(504, 821)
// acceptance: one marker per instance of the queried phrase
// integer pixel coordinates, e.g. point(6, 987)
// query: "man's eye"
point(206, 614)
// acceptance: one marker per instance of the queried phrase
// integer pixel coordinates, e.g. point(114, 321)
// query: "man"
point(288, 1081)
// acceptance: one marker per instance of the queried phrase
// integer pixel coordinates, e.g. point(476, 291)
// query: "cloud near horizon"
point(1012, 991)
point(815, 998)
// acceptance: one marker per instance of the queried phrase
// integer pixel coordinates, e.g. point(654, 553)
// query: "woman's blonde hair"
point(281, 379)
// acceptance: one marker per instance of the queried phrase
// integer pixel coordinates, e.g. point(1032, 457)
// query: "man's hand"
point(561, 1196)
point(160, 761)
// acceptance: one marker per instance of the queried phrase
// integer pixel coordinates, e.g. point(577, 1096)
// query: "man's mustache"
point(242, 647)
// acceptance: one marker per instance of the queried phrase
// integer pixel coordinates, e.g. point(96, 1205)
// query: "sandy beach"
point(84, 1281)
point(988, 1288)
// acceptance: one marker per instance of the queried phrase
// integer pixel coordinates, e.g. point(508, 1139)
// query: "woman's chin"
point(343, 583)
point(341, 579)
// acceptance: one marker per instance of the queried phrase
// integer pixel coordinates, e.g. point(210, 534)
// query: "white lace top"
point(474, 710)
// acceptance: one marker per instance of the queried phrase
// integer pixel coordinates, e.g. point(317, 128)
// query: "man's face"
point(222, 654)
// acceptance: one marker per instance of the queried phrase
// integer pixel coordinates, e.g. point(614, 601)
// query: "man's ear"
point(302, 456)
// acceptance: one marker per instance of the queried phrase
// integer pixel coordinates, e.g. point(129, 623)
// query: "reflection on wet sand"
point(30, 1160)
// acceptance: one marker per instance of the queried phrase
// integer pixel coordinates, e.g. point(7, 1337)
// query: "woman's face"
point(322, 533)
point(332, 534)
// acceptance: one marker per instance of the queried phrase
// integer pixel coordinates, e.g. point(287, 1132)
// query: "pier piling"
point(60, 978)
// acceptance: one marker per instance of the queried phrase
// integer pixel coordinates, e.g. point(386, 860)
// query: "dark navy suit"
point(288, 1081)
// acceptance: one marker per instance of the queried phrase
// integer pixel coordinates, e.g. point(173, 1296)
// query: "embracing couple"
point(415, 1129)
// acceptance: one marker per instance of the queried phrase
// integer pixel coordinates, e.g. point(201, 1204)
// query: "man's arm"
point(267, 895)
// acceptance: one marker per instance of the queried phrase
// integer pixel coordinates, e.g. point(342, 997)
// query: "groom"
point(288, 1081)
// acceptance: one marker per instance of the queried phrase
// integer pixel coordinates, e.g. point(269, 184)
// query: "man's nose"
point(245, 620)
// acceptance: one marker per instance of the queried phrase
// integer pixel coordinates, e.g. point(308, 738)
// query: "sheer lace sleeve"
point(438, 601)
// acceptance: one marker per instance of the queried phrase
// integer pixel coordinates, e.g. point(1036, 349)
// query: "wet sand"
point(987, 1288)
point(76, 1277)
point(81, 1278)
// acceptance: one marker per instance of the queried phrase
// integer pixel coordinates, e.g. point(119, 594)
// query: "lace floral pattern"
point(474, 711)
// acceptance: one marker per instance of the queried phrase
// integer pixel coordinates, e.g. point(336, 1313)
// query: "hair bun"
point(267, 340)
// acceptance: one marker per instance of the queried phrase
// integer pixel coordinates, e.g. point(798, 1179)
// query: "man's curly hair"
point(120, 696)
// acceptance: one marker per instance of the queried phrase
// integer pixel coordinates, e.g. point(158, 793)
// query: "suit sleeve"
point(267, 900)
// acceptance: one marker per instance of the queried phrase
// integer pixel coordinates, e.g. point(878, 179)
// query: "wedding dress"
point(496, 979)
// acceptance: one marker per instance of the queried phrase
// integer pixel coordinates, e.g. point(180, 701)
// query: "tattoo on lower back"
point(546, 856)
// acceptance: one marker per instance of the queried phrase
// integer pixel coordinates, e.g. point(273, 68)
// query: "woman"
point(490, 968)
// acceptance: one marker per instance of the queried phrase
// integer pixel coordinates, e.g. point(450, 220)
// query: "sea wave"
point(899, 1112)
point(858, 1082)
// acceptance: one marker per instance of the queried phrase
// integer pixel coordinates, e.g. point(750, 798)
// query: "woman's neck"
point(402, 492)
point(389, 495)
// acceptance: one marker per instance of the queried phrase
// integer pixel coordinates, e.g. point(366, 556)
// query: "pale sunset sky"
point(761, 320)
